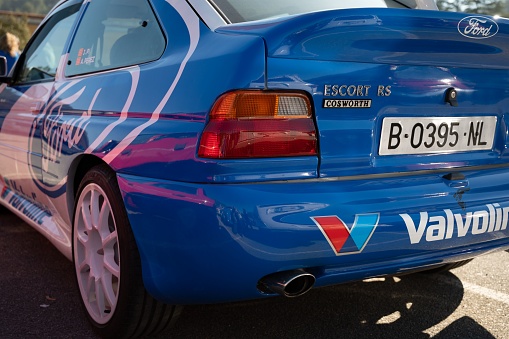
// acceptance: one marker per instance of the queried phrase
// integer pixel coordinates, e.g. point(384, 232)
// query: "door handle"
point(455, 180)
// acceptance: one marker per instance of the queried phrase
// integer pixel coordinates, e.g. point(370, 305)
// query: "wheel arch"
point(129, 311)
point(79, 167)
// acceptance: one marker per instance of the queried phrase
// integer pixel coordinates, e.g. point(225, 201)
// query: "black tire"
point(108, 273)
point(448, 267)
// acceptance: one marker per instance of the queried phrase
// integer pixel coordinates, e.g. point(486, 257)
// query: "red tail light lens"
point(256, 124)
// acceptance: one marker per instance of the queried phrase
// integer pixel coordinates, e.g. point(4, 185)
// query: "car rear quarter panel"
point(147, 119)
point(144, 120)
point(232, 235)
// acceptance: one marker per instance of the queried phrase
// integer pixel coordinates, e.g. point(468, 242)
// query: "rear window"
point(249, 10)
point(113, 34)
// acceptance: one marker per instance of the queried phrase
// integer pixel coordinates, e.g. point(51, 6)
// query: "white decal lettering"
point(479, 227)
point(477, 27)
point(505, 218)
point(436, 231)
point(450, 224)
point(415, 233)
point(463, 227)
point(57, 131)
point(441, 227)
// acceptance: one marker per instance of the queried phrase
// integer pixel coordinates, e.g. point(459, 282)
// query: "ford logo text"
point(478, 27)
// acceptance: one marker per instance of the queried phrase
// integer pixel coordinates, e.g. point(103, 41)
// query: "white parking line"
point(479, 290)
point(473, 292)
point(486, 292)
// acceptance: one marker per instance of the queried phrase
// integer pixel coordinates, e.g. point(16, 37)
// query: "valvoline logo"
point(344, 239)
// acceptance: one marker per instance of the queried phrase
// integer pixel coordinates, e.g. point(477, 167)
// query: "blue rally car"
point(203, 151)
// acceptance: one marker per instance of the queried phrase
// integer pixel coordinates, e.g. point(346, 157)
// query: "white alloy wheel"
point(108, 264)
point(96, 251)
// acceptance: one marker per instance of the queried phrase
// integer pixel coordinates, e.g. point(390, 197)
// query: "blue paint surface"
point(208, 230)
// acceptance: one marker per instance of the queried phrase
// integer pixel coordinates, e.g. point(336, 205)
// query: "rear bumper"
point(205, 243)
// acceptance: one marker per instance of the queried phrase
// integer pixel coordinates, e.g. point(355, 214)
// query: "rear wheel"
point(108, 266)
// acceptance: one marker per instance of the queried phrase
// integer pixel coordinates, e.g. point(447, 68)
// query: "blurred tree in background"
point(470, 6)
point(17, 26)
point(491, 7)
point(27, 6)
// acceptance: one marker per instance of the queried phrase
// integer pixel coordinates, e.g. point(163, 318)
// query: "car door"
point(25, 100)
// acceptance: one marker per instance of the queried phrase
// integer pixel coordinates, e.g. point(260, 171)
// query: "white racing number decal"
point(85, 57)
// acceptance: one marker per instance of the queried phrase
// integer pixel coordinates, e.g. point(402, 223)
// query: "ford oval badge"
point(478, 27)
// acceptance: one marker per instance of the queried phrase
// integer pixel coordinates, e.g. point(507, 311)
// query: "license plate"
point(419, 135)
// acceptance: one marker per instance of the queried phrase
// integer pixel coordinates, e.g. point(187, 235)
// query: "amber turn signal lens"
point(258, 124)
point(257, 104)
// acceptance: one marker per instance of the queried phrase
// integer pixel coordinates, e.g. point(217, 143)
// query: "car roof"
point(214, 18)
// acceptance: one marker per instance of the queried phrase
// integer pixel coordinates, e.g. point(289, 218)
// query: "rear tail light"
point(256, 124)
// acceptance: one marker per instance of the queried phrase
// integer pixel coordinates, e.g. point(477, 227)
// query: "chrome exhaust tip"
point(288, 283)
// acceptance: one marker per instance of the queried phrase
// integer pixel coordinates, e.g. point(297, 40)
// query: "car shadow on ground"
point(40, 299)
point(391, 307)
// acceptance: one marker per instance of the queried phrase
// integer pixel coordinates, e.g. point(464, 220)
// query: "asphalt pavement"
point(39, 299)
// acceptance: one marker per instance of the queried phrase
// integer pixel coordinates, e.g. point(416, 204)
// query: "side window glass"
point(115, 34)
point(41, 58)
